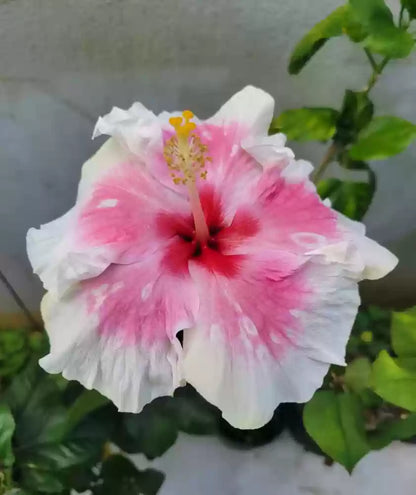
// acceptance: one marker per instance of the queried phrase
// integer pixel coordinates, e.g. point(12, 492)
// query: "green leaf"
point(357, 378)
point(7, 426)
point(11, 341)
point(354, 29)
point(401, 429)
point(38, 343)
point(410, 6)
point(50, 440)
point(395, 380)
point(86, 403)
point(357, 375)
point(336, 423)
point(120, 476)
point(356, 113)
point(192, 413)
point(330, 27)
point(151, 432)
point(22, 386)
point(384, 36)
point(306, 124)
point(350, 198)
point(403, 332)
point(13, 351)
point(38, 480)
point(382, 138)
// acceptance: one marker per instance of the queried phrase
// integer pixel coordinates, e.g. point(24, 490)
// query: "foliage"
point(357, 136)
point(54, 434)
point(370, 404)
point(373, 401)
point(336, 423)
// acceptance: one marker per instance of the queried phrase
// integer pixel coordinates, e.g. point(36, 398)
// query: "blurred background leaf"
point(305, 124)
point(120, 476)
point(410, 6)
point(151, 432)
point(394, 379)
point(328, 28)
point(384, 37)
point(383, 137)
point(356, 113)
point(7, 426)
point(350, 198)
point(403, 332)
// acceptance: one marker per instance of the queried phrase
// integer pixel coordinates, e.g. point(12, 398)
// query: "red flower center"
point(215, 253)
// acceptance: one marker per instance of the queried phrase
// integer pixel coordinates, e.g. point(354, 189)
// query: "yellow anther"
point(175, 122)
point(188, 115)
point(186, 129)
point(184, 152)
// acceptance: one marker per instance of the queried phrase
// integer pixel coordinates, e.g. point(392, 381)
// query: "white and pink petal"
point(114, 221)
point(268, 335)
point(117, 333)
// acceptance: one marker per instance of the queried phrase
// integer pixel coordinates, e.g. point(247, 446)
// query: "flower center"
point(186, 158)
point(197, 246)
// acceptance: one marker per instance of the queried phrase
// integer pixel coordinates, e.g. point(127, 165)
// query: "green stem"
point(371, 59)
point(326, 161)
point(377, 71)
point(334, 148)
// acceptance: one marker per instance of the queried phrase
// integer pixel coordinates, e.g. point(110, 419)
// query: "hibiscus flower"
point(214, 229)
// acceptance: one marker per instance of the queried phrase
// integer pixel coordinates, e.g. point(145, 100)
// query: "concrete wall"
point(64, 62)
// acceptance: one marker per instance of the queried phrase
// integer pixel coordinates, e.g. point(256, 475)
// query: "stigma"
point(185, 154)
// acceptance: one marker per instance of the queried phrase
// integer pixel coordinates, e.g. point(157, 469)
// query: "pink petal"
point(114, 221)
point(293, 216)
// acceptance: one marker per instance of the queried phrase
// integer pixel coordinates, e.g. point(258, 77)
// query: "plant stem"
point(333, 149)
point(371, 59)
point(19, 301)
point(377, 71)
point(327, 159)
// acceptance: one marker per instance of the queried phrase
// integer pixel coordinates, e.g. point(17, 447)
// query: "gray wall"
point(64, 62)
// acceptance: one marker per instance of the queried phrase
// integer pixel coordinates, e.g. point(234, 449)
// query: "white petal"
point(137, 128)
point(53, 260)
point(269, 151)
point(329, 319)
point(351, 225)
point(297, 171)
point(251, 107)
point(247, 388)
point(377, 261)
